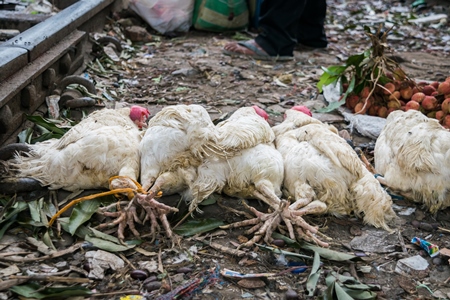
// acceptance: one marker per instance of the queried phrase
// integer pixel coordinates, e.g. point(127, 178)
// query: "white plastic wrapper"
point(165, 15)
point(366, 125)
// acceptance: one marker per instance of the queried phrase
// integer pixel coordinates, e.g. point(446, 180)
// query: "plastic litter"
point(431, 249)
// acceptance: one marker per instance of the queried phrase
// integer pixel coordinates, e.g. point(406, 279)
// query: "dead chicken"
point(253, 168)
point(412, 154)
point(103, 145)
point(320, 165)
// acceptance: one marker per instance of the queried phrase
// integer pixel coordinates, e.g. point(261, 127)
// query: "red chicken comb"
point(139, 115)
point(302, 109)
point(261, 112)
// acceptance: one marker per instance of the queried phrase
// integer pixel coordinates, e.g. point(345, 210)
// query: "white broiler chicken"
point(103, 145)
point(174, 145)
point(253, 168)
point(172, 148)
point(320, 165)
point(412, 153)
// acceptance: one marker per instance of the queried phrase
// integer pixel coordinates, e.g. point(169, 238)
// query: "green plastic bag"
point(220, 15)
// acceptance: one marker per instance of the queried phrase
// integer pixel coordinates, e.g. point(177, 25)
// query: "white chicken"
point(173, 146)
point(412, 153)
point(103, 145)
point(252, 169)
point(319, 164)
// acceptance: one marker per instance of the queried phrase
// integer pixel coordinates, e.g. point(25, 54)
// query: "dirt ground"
point(191, 68)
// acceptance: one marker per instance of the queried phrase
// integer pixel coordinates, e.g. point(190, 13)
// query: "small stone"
point(184, 270)
point(137, 34)
point(138, 274)
point(151, 286)
point(437, 261)
point(279, 243)
point(291, 295)
point(253, 283)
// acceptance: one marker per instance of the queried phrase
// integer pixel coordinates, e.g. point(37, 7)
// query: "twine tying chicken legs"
point(146, 200)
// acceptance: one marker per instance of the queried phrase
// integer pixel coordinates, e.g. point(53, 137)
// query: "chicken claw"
point(127, 217)
point(156, 209)
point(266, 223)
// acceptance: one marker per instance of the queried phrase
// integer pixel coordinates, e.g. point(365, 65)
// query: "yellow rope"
point(130, 193)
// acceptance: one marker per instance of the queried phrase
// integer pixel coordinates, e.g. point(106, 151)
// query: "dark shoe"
point(251, 49)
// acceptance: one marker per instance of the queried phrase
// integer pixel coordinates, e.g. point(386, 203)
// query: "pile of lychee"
point(432, 99)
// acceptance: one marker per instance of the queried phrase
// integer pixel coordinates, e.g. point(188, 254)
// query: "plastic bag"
point(221, 15)
point(165, 15)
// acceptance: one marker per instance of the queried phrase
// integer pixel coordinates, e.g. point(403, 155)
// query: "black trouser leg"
point(286, 22)
point(311, 31)
point(279, 23)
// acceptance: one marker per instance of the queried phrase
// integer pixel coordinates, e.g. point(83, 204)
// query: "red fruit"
point(439, 115)
point(412, 105)
point(435, 84)
point(406, 93)
point(418, 97)
point(429, 103)
point(445, 106)
point(390, 109)
point(383, 112)
point(446, 121)
point(373, 110)
point(415, 90)
point(394, 96)
point(365, 92)
point(359, 108)
point(394, 104)
point(434, 94)
point(444, 88)
point(351, 101)
point(428, 89)
point(389, 88)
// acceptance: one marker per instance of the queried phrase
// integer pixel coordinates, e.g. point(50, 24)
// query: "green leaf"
point(327, 253)
point(192, 227)
point(35, 210)
point(360, 295)
point(340, 293)
point(326, 79)
point(334, 105)
point(357, 286)
point(5, 227)
point(82, 213)
point(279, 251)
point(10, 212)
point(335, 70)
point(47, 124)
point(97, 238)
point(36, 291)
point(25, 136)
point(292, 243)
point(313, 277)
point(47, 240)
point(355, 60)
point(210, 200)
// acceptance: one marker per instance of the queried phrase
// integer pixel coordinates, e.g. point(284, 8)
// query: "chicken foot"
point(127, 217)
point(266, 223)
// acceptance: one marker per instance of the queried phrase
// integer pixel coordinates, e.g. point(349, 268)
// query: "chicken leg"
point(291, 215)
point(127, 217)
